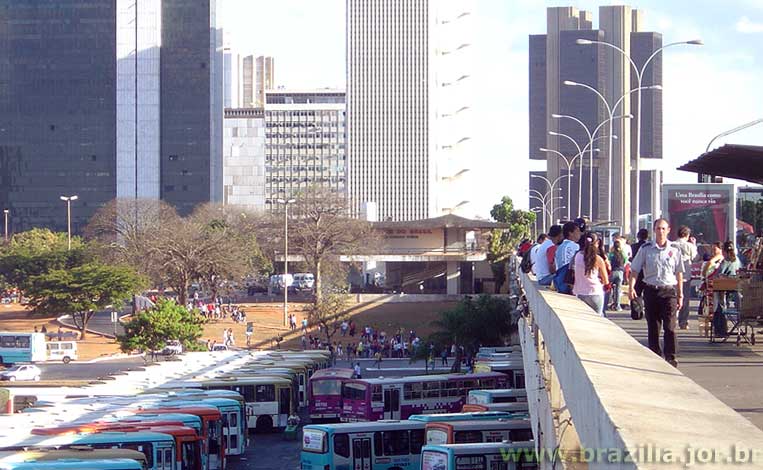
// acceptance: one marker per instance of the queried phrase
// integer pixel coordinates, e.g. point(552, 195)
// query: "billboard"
point(708, 209)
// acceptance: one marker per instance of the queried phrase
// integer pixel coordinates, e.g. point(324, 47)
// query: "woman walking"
point(590, 275)
point(617, 260)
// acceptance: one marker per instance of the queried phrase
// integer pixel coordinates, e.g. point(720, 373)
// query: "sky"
point(706, 89)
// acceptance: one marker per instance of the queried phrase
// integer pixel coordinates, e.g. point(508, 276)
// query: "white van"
point(65, 351)
point(304, 281)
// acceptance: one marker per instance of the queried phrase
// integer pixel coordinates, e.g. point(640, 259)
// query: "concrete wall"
point(620, 395)
point(407, 298)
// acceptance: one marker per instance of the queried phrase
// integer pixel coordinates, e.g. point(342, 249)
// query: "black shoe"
point(673, 363)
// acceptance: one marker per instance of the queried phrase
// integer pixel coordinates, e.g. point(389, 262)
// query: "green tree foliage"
point(329, 312)
point(150, 329)
point(36, 252)
point(484, 321)
point(503, 242)
point(82, 290)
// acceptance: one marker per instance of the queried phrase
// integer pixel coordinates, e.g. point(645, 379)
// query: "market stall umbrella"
point(743, 162)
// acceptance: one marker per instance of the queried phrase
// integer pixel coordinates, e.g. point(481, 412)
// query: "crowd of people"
point(657, 273)
point(215, 309)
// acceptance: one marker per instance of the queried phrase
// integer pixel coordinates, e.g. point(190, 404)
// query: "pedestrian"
point(230, 337)
point(60, 334)
point(617, 260)
point(304, 342)
point(378, 359)
point(688, 255)
point(344, 328)
point(590, 275)
point(543, 270)
point(663, 288)
point(35, 329)
point(357, 371)
point(44, 330)
point(304, 325)
point(444, 356)
point(564, 256)
point(209, 344)
point(249, 333)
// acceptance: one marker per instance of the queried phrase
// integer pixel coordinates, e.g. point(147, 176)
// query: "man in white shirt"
point(688, 255)
point(543, 270)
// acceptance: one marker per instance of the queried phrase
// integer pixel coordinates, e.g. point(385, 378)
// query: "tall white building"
point(232, 76)
point(407, 105)
point(244, 158)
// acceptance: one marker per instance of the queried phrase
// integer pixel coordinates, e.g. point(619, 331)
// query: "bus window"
point(342, 445)
point(432, 389)
point(412, 391)
point(168, 463)
point(233, 420)
point(376, 393)
point(417, 440)
point(330, 387)
point(160, 460)
point(354, 391)
point(396, 443)
point(467, 437)
point(146, 449)
point(189, 455)
point(265, 393)
point(516, 435)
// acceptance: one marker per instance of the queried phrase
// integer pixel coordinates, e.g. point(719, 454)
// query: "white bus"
point(268, 399)
point(466, 432)
point(502, 395)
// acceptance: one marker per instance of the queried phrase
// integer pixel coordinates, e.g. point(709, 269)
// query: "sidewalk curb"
point(111, 357)
point(61, 321)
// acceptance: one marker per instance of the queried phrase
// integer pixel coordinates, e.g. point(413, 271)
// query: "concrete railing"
point(593, 389)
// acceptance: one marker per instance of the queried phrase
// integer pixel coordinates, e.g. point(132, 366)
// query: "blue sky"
point(707, 89)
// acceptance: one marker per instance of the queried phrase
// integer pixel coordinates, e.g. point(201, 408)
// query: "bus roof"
point(265, 379)
point(332, 373)
point(87, 439)
point(198, 410)
point(479, 447)
point(482, 415)
point(367, 426)
point(501, 392)
point(185, 418)
point(487, 407)
point(487, 424)
point(430, 378)
point(74, 464)
point(83, 453)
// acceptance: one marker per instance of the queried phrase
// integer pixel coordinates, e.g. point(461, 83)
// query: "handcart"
point(747, 312)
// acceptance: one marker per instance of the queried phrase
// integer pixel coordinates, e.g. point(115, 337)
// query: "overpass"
point(600, 399)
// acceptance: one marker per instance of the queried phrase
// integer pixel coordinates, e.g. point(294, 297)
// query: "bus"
point(324, 393)
point(22, 347)
point(73, 464)
point(520, 407)
point(500, 349)
point(515, 370)
point(232, 411)
point(481, 456)
point(380, 445)
point(400, 397)
point(468, 416)
point(501, 395)
point(80, 453)
point(158, 448)
point(283, 372)
point(465, 432)
point(495, 357)
point(268, 399)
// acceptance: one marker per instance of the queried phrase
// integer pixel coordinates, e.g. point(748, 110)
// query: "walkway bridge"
point(600, 399)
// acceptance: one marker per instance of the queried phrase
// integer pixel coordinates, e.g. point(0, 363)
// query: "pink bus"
point(324, 393)
point(401, 397)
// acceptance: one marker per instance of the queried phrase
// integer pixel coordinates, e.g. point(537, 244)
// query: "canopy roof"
point(445, 221)
point(743, 162)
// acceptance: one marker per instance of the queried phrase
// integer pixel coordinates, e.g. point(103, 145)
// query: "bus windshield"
point(327, 387)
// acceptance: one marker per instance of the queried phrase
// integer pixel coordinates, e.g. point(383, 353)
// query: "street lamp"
point(5, 214)
point(569, 162)
point(69, 200)
point(551, 186)
point(285, 203)
point(639, 79)
point(545, 199)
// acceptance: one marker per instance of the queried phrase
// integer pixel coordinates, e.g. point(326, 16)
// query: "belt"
point(650, 286)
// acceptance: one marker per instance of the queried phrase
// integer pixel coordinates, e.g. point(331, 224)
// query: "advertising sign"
point(313, 440)
point(709, 210)
point(434, 461)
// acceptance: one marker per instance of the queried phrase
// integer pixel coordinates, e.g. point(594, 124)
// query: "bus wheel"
point(265, 424)
point(67, 359)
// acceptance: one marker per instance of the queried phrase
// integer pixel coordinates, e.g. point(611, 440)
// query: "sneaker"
point(673, 363)
point(683, 327)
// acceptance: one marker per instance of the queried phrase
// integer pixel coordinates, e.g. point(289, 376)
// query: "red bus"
point(324, 392)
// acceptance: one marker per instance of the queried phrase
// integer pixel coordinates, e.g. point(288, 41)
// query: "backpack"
point(526, 265)
point(720, 328)
point(564, 279)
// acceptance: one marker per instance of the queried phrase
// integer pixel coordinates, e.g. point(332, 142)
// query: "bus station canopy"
point(743, 162)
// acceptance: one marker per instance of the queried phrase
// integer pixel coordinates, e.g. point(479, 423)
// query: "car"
point(22, 372)
point(219, 347)
point(172, 347)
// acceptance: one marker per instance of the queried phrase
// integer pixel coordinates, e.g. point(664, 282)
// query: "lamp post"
point(551, 186)
point(545, 199)
point(5, 215)
point(569, 162)
point(69, 200)
point(285, 203)
point(639, 80)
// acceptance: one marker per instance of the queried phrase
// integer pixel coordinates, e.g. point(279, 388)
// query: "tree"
point(150, 329)
point(503, 242)
point(83, 290)
point(329, 312)
point(38, 251)
point(320, 230)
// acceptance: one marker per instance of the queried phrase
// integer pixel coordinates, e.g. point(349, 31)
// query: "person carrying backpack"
point(564, 255)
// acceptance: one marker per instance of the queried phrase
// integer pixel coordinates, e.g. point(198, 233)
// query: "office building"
point(124, 99)
point(408, 105)
point(244, 158)
point(556, 57)
point(258, 75)
point(232, 92)
point(305, 143)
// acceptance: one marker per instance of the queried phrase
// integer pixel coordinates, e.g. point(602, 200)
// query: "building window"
point(173, 158)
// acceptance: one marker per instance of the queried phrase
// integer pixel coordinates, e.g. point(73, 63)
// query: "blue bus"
point(234, 424)
point(22, 347)
point(377, 445)
point(480, 415)
point(501, 395)
point(73, 464)
point(481, 456)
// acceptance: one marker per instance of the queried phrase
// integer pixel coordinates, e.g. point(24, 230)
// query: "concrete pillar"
point(454, 277)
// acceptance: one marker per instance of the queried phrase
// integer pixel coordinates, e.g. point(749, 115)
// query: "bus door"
point(165, 460)
point(284, 403)
point(391, 402)
point(361, 453)
point(232, 433)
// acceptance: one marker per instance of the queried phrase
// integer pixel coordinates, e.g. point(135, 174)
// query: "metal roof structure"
point(445, 221)
point(743, 162)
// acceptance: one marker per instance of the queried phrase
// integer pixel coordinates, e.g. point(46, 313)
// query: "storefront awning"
point(743, 162)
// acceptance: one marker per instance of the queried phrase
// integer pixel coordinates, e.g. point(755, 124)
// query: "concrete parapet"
point(625, 399)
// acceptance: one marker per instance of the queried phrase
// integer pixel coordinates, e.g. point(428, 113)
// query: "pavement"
point(734, 374)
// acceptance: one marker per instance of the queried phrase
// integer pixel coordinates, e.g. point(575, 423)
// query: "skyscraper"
point(557, 57)
point(258, 75)
point(232, 70)
point(408, 104)
point(124, 99)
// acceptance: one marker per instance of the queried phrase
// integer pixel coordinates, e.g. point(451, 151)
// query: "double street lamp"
point(639, 87)
point(286, 203)
point(569, 162)
point(5, 215)
point(69, 200)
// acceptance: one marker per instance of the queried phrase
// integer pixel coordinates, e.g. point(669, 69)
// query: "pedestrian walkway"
point(733, 374)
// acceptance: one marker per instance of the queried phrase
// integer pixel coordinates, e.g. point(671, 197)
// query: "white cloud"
point(747, 26)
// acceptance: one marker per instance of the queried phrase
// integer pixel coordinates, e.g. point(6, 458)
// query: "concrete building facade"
point(257, 76)
point(123, 100)
point(556, 57)
point(244, 158)
point(408, 102)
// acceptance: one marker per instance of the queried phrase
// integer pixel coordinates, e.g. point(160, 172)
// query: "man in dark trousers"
point(663, 293)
